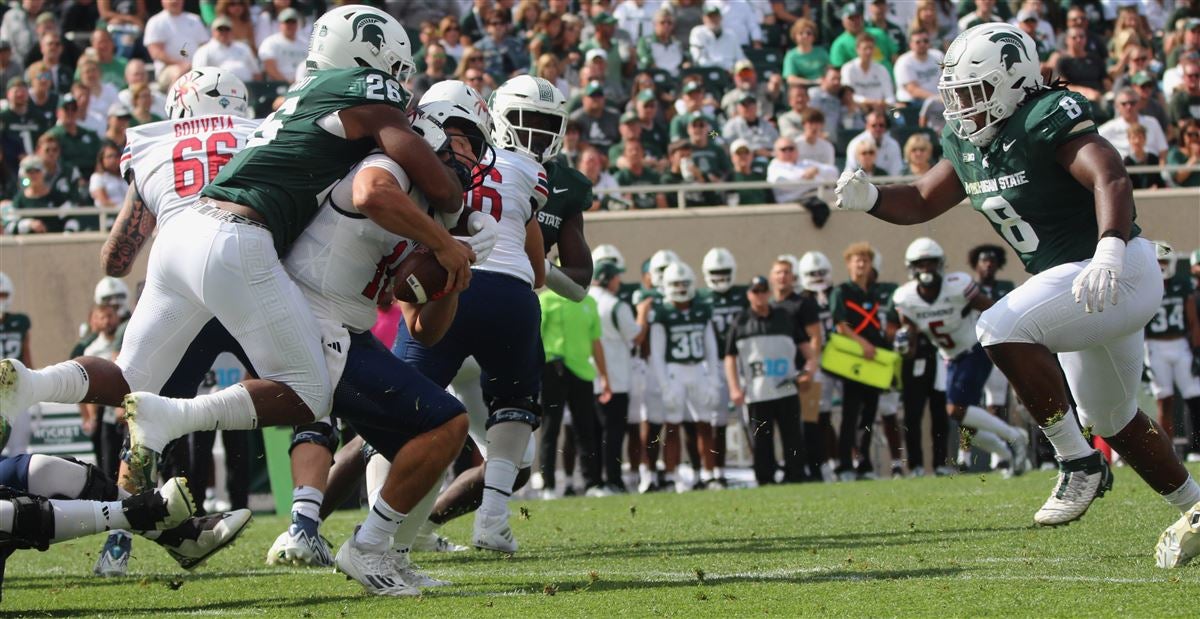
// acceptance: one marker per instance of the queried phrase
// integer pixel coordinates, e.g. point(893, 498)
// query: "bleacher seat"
point(716, 80)
point(663, 80)
point(263, 95)
point(765, 60)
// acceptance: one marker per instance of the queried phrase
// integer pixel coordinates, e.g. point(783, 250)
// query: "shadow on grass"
point(280, 603)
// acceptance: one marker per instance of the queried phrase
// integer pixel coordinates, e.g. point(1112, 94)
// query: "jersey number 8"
point(1016, 231)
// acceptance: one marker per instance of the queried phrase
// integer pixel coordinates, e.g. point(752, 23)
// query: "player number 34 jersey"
point(948, 320)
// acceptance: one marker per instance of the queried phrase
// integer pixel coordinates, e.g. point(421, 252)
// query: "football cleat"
point(598, 491)
point(374, 570)
point(897, 472)
point(1020, 454)
point(548, 494)
point(160, 510)
point(197, 539)
point(301, 545)
point(847, 476)
point(428, 540)
point(1180, 543)
point(1080, 481)
point(150, 419)
point(917, 471)
point(14, 388)
point(493, 533)
point(114, 557)
point(945, 471)
point(411, 573)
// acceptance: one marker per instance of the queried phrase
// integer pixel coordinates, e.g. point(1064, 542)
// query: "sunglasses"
point(867, 152)
point(759, 290)
point(786, 149)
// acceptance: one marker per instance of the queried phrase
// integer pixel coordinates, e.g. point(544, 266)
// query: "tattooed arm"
point(133, 226)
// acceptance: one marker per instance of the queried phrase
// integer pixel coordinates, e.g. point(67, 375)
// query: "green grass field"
point(961, 546)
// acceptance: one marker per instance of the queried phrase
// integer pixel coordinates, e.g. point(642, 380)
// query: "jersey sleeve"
point(360, 86)
point(342, 196)
point(1060, 117)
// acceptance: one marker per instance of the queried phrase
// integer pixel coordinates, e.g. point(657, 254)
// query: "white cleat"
point(428, 540)
point(373, 570)
point(14, 388)
point(1080, 481)
point(411, 573)
point(493, 533)
point(179, 502)
point(197, 539)
point(1020, 463)
point(1180, 543)
point(298, 549)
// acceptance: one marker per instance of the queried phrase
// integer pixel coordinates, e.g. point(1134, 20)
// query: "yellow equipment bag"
point(843, 357)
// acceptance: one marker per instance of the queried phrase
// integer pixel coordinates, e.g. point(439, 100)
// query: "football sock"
point(1066, 437)
point(718, 473)
point(992, 444)
point(377, 471)
point(78, 518)
point(65, 383)
point(415, 523)
point(376, 531)
point(50, 476)
point(1185, 496)
point(231, 408)
point(498, 478)
point(306, 501)
point(980, 419)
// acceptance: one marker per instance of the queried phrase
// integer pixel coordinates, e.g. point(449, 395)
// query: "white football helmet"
point(678, 283)
point(815, 270)
point(985, 74)
point(659, 263)
point(6, 292)
point(608, 252)
point(530, 116)
point(465, 97)
point(924, 248)
point(207, 91)
point(720, 269)
point(1166, 258)
point(454, 100)
point(360, 36)
point(114, 292)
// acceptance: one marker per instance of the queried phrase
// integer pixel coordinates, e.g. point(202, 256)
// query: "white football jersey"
point(506, 195)
point(172, 160)
point(948, 321)
point(343, 260)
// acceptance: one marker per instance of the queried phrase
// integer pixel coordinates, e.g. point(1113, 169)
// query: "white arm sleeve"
point(658, 353)
point(710, 354)
point(627, 323)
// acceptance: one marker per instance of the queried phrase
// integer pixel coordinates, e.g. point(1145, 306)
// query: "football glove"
point(483, 235)
point(1096, 284)
point(854, 192)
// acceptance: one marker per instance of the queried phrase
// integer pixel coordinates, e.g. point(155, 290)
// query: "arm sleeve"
point(626, 322)
point(658, 352)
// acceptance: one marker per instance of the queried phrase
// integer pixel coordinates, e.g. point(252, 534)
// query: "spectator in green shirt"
point(79, 145)
point(633, 171)
point(807, 60)
point(112, 66)
point(746, 167)
point(571, 338)
point(1188, 153)
point(709, 157)
point(843, 49)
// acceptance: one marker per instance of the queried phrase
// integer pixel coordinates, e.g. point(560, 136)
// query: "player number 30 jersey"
point(948, 320)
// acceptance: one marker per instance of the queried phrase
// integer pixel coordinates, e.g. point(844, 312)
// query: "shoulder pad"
point(1058, 116)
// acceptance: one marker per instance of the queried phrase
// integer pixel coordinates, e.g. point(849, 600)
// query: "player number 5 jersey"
point(506, 195)
point(948, 320)
point(172, 160)
point(343, 260)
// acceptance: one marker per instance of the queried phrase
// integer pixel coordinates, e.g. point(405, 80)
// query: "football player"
point(14, 343)
point(1168, 335)
point(728, 300)
point(986, 261)
point(684, 360)
point(224, 262)
point(943, 307)
point(645, 393)
point(1028, 157)
point(820, 439)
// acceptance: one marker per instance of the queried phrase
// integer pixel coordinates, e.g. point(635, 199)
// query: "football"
point(420, 277)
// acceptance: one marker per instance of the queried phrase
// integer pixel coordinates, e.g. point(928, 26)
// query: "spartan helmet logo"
point(367, 25)
point(1012, 48)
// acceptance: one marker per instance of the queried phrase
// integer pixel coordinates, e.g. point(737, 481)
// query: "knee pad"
point(321, 433)
point(33, 520)
point(514, 410)
point(96, 486)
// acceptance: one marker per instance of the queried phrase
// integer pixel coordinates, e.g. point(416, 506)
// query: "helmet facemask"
point(679, 290)
point(927, 271)
point(816, 280)
point(535, 133)
point(971, 111)
point(720, 280)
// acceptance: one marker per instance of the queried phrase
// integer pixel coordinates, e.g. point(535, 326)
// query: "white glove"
point(1097, 282)
point(854, 192)
point(483, 235)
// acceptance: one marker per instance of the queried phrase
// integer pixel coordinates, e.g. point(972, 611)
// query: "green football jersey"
point(685, 330)
point(570, 195)
point(291, 163)
point(14, 330)
point(642, 293)
point(997, 289)
point(726, 306)
point(627, 291)
point(23, 129)
point(1043, 213)
point(1170, 321)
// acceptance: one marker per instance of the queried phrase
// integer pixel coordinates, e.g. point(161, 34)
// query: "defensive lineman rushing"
point(944, 308)
point(1028, 156)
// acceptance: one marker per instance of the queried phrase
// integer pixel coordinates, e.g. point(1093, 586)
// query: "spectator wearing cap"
point(36, 192)
point(811, 143)
point(1185, 101)
point(692, 102)
point(619, 329)
point(711, 44)
point(827, 97)
point(112, 66)
point(1139, 156)
point(760, 352)
point(655, 135)
point(1150, 101)
point(619, 58)
point(877, 17)
point(684, 171)
point(745, 82)
point(786, 166)
point(661, 49)
point(742, 20)
point(844, 48)
point(20, 123)
point(1116, 131)
point(1189, 45)
point(241, 22)
point(709, 156)
point(106, 186)
point(267, 21)
point(119, 117)
point(748, 126)
point(791, 122)
point(1029, 22)
point(503, 54)
point(599, 124)
point(747, 167)
point(79, 145)
point(873, 87)
point(173, 35)
point(889, 157)
point(630, 130)
point(632, 170)
point(917, 70)
point(19, 25)
point(283, 52)
point(807, 60)
point(227, 53)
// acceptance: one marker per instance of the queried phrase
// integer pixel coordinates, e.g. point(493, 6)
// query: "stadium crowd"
point(660, 91)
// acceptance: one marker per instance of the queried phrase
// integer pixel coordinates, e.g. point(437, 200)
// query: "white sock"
point(8, 516)
point(1067, 438)
point(980, 419)
point(415, 523)
point(306, 501)
point(377, 530)
point(231, 408)
point(498, 478)
point(718, 472)
point(992, 444)
point(1185, 496)
point(74, 519)
point(65, 383)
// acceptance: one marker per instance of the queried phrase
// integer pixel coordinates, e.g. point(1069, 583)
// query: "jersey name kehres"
point(993, 185)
